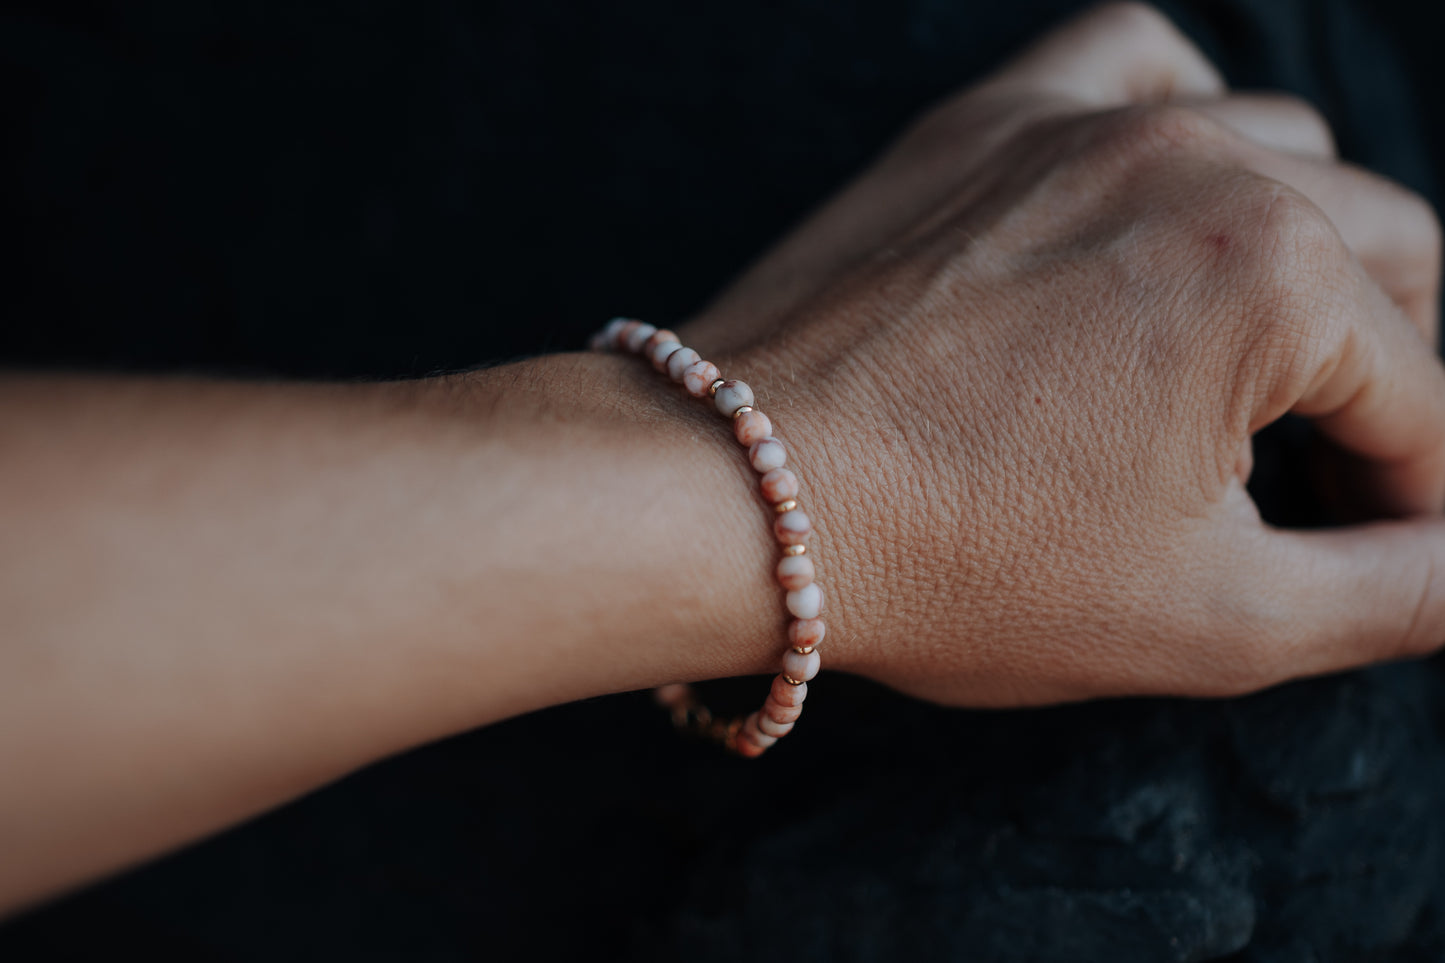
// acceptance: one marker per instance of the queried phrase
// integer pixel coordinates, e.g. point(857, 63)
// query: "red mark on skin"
point(1220, 242)
point(1038, 400)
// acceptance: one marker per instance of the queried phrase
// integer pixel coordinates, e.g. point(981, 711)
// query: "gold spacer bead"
point(790, 680)
point(712, 388)
point(795, 550)
point(742, 411)
point(804, 649)
point(785, 506)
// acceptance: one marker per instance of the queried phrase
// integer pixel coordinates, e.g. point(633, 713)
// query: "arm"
point(1019, 363)
point(218, 596)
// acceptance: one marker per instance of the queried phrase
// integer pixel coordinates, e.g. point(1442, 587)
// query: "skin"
point(1018, 364)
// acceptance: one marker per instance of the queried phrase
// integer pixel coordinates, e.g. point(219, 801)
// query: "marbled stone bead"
point(661, 351)
point(624, 333)
point(792, 527)
point(778, 485)
point(673, 694)
point(801, 667)
point(731, 396)
point(608, 335)
point(806, 632)
point(786, 694)
point(751, 427)
point(748, 746)
point(780, 714)
point(775, 729)
point(678, 362)
point(755, 732)
point(795, 571)
point(656, 338)
point(698, 377)
point(634, 338)
point(806, 602)
point(767, 455)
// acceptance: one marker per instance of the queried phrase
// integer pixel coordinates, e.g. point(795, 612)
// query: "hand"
point(1019, 363)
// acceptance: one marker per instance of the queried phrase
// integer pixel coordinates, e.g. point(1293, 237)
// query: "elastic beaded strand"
point(754, 734)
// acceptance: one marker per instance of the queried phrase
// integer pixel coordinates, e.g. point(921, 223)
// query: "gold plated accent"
point(795, 550)
point(790, 680)
point(785, 506)
point(804, 649)
point(742, 411)
point(712, 388)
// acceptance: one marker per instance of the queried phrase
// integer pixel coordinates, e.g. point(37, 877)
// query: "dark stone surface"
point(363, 189)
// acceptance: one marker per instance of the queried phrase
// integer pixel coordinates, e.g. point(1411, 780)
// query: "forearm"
point(218, 595)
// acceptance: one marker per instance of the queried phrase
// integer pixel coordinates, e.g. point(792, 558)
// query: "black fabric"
point(371, 189)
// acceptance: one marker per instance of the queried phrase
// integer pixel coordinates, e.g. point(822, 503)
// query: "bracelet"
point(751, 736)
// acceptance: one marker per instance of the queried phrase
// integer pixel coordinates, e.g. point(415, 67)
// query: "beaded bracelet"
point(751, 736)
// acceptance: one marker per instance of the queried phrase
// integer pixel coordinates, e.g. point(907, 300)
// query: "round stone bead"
point(795, 571)
point(678, 362)
point(732, 395)
point(634, 338)
point(698, 377)
point(755, 732)
point(767, 455)
point(608, 335)
point(775, 729)
point(751, 427)
point(656, 338)
point(806, 632)
point(747, 745)
point(779, 714)
point(801, 667)
point(792, 527)
point(673, 694)
point(778, 485)
point(661, 351)
point(806, 602)
point(787, 694)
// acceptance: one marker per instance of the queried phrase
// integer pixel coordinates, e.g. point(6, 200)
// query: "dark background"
point(361, 189)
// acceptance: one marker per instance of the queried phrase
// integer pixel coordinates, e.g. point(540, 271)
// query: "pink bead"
point(755, 732)
point(785, 694)
point(806, 632)
point(698, 378)
point(775, 729)
point(795, 571)
point(661, 351)
point(780, 714)
point(806, 602)
point(792, 527)
point(767, 455)
point(678, 362)
point(658, 336)
point(801, 667)
point(624, 333)
point(751, 427)
point(634, 338)
point(673, 694)
point(748, 747)
point(778, 485)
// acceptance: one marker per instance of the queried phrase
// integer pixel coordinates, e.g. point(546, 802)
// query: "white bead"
point(806, 602)
point(609, 334)
point(731, 396)
point(660, 353)
point(639, 337)
point(678, 361)
point(767, 455)
point(801, 667)
point(775, 729)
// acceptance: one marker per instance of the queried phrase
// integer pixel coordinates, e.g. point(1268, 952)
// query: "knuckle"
point(1132, 21)
point(1134, 137)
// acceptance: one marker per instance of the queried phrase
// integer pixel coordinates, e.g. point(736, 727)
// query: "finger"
point(1340, 598)
point(1378, 391)
point(1392, 231)
point(1275, 121)
point(1116, 54)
